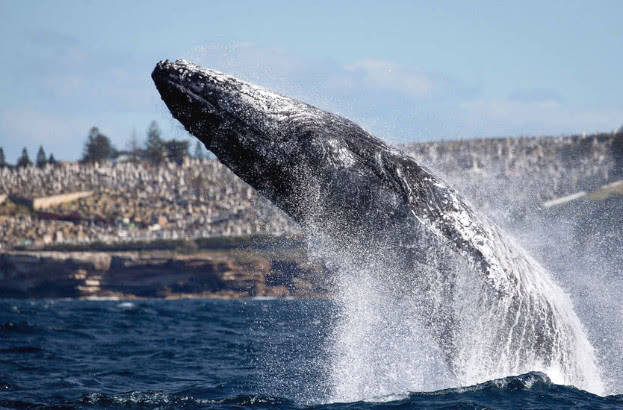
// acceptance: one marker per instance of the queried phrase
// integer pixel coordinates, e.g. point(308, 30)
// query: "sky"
point(405, 70)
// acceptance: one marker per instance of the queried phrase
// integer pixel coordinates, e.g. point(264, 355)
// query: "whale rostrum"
point(480, 292)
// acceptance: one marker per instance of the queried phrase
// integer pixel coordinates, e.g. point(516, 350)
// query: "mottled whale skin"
point(333, 177)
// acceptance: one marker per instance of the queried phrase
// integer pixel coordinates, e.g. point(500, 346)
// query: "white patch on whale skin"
point(341, 154)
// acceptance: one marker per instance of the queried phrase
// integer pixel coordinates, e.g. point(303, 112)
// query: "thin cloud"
point(514, 118)
point(404, 103)
point(394, 101)
point(391, 76)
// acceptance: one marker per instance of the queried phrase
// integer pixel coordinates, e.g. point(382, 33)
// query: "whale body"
point(492, 309)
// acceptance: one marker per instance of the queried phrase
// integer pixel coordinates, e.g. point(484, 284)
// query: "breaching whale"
point(492, 309)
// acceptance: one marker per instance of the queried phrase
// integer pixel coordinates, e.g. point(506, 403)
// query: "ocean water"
point(218, 354)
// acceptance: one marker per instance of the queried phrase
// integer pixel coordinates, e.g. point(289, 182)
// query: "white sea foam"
point(381, 345)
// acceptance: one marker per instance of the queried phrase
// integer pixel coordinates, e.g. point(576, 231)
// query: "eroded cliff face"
point(155, 274)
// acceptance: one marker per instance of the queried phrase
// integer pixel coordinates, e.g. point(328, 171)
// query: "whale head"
point(307, 161)
point(222, 110)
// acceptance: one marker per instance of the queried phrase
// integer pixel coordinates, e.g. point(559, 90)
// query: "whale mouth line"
point(190, 93)
point(198, 115)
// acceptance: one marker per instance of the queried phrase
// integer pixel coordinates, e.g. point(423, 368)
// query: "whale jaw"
point(181, 92)
point(211, 106)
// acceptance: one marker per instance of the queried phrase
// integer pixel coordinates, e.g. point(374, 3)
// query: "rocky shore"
point(157, 274)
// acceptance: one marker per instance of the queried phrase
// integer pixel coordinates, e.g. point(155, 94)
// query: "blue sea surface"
point(217, 354)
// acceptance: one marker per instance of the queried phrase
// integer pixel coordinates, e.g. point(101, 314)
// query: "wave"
point(531, 390)
point(21, 349)
point(21, 327)
point(161, 400)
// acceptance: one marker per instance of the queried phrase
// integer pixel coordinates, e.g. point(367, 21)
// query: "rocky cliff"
point(160, 274)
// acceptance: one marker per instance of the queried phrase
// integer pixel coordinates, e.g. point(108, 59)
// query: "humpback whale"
point(492, 309)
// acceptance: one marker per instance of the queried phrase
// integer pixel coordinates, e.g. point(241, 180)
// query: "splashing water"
point(383, 344)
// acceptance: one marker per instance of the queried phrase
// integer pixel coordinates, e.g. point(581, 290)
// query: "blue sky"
point(406, 71)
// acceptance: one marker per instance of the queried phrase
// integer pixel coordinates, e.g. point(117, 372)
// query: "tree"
point(97, 147)
point(176, 150)
point(2, 159)
point(132, 146)
point(24, 160)
point(52, 161)
point(41, 158)
point(154, 146)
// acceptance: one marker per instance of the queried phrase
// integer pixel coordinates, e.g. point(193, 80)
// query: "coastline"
point(164, 274)
point(202, 232)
